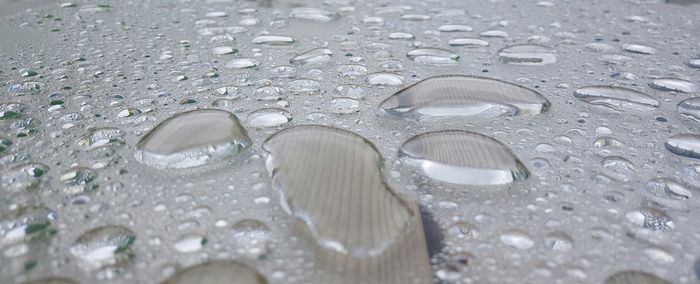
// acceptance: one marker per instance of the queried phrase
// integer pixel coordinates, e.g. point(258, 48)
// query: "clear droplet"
point(527, 54)
point(104, 246)
point(686, 145)
point(675, 85)
point(269, 117)
point(616, 98)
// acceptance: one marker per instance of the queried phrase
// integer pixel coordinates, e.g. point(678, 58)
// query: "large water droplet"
point(527, 54)
point(332, 180)
point(463, 157)
point(193, 138)
point(104, 246)
point(633, 276)
point(686, 145)
point(690, 108)
point(217, 272)
point(460, 95)
point(433, 56)
point(617, 98)
point(675, 85)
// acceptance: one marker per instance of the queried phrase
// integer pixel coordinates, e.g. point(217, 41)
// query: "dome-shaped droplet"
point(269, 117)
point(463, 157)
point(651, 219)
point(252, 237)
point(433, 56)
point(25, 224)
point(193, 138)
point(633, 276)
point(673, 84)
point(314, 14)
point(686, 145)
point(104, 246)
point(527, 54)
point(617, 98)
point(459, 95)
point(690, 107)
point(517, 239)
point(217, 272)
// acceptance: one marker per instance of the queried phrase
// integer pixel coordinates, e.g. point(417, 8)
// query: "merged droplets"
point(192, 139)
point(673, 84)
point(344, 171)
point(634, 276)
point(217, 272)
point(433, 56)
point(527, 54)
point(460, 95)
point(104, 246)
point(269, 117)
point(616, 98)
point(686, 145)
point(463, 157)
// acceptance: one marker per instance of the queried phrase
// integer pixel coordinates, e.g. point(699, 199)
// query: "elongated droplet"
point(634, 276)
point(617, 98)
point(527, 54)
point(686, 145)
point(673, 84)
point(103, 246)
point(217, 272)
point(433, 56)
point(193, 138)
point(690, 108)
point(463, 157)
point(332, 180)
point(460, 95)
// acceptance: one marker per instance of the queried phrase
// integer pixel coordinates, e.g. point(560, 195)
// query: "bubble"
point(192, 139)
point(463, 157)
point(104, 246)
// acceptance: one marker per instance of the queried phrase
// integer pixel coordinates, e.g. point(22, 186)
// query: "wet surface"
point(341, 141)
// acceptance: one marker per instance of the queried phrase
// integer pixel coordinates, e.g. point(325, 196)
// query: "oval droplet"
point(686, 145)
point(634, 276)
point(192, 139)
point(104, 246)
point(690, 108)
point(269, 117)
point(673, 84)
point(651, 219)
point(433, 56)
point(315, 56)
point(463, 157)
point(616, 98)
point(217, 271)
point(527, 54)
point(461, 95)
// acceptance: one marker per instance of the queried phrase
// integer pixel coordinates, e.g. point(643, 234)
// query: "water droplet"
point(25, 223)
point(102, 137)
point(455, 28)
point(690, 107)
point(517, 239)
point(12, 110)
point(315, 56)
point(686, 145)
point(463, 230)
point(616, 98)
point(400, 35)
point(693, 63)
point(191, 139)
point(344, 106)
point(640, 49)
point(468, 42)
point(527, 54)
point(384, 79)
point(651, 219)
point(494, 33)
point(371, 224)
point(242, 62)
point(304, 87)
point(218, 271)
point(79, 180)
point(559, 241)
point(223, 50)
point(269, 117)
point(190, 243)
point(24, 176)
point(675, 85)
point(104, 246)
point(433, 56)
point(315, 14)
point(252, 237)
point(273, 40)
point(633, 276)
point(459, 95)
point(463, 157)
point(668, 189)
